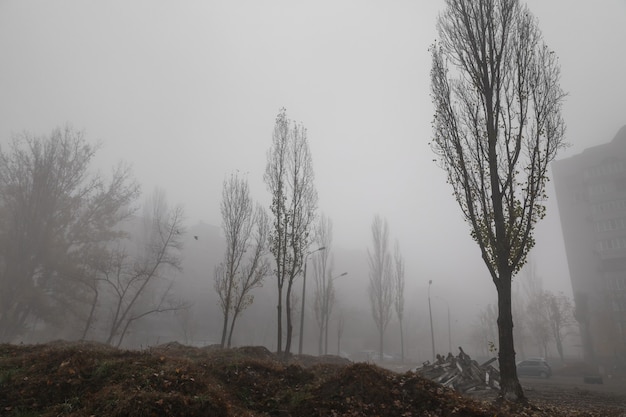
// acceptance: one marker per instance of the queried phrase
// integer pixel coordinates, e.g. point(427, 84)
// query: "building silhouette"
point(591, 195)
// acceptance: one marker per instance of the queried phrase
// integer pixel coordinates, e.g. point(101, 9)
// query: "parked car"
point(534, 367)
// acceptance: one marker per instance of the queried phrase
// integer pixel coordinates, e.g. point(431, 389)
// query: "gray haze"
point(188, 91)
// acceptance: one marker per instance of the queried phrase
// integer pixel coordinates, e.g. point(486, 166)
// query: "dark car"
point(534, 367)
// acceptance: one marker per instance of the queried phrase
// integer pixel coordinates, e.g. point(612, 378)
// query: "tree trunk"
point(91, 314)
point(559, 347)
point(289, 323)
point(225, 325)
point(321, 336)
point(326, 334)
point(279, 329)
point(232, 327)
point(509, 383)
point(401, 342)
point(338, 345)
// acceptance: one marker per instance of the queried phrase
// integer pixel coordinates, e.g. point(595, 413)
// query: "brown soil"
point(89, 379)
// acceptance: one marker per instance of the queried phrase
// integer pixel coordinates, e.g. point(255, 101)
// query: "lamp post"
point(327, 308)
point(306, 257)
point(430, 312)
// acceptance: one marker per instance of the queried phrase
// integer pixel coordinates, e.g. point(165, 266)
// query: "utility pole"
point(306, 258)
point(430, 312)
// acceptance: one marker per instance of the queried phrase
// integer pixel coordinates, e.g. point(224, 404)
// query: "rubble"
point(461, 372)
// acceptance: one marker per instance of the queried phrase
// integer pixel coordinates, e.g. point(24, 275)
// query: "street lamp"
point(306, 257)
point(430, 312)
point(327, 308)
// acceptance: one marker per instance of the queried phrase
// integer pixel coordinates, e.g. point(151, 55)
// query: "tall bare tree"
point(324, 294)
point(497, 125)
point(236, 208)
point(381, 279)
point(244, 266)
point(55, 218)
point(398, 292)
point(254, 271)
point(289, 178)
point(139, 278)
point(341, 324)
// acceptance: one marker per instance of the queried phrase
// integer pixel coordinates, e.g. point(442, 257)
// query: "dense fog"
point(184, 95)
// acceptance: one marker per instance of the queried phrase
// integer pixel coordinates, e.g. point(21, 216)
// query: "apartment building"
point(591, 195)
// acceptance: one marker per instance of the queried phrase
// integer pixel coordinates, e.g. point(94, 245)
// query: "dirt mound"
point(83, 379)
point(310, 360)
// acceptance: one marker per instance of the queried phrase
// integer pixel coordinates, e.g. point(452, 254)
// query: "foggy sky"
point(188, 92)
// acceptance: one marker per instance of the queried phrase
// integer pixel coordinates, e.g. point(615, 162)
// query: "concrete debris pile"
point(461, 372)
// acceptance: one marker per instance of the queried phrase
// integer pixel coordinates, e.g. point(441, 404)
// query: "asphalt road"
point(609, 385)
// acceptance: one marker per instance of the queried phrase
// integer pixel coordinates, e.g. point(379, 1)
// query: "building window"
point(610, 225)
point(599, 189)
point(608, 206)
point(609, 168)
point(608, 244)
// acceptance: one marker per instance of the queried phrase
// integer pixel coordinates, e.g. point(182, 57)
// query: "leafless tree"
point(236, 208)
point(497, 125)
point(54, 216)
point(244, 265)
point(289, 178)
point(341, 324)
point(188, 324)
point(380, 279)
point(324, 294)
point(398, 292)
point(537, 311)
point(549, 317)
point(254, 271)
point(132, 276)
point(561, 317)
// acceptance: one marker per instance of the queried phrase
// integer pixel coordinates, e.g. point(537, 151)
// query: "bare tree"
point(324, 292)
point(289, 178)
point(237, 224)
point(54, 217)
point(497, 125)
point(549, 316)
point(254, 271)
point(341, 324)
point(561, 316)
point(537, 311)
point(398, 292)
point(381, 279)
point(133, 279)
point(244, 267)
point(188, 324)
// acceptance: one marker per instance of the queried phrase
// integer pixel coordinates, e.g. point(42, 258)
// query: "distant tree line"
point(386, 282)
